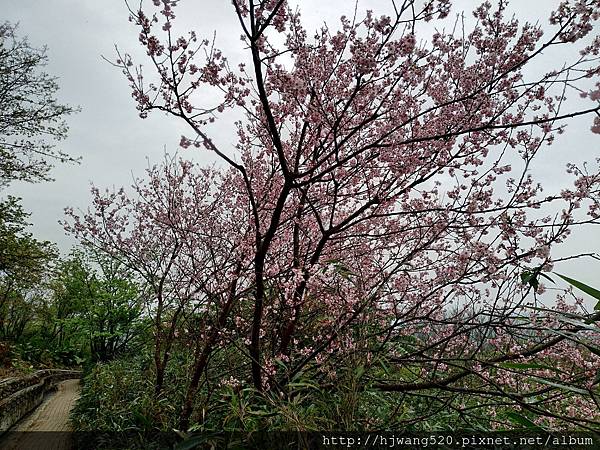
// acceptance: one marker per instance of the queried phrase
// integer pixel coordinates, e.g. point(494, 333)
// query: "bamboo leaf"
point(522, 420)
point(509, 365)
point(565, 387)
point(583, 287)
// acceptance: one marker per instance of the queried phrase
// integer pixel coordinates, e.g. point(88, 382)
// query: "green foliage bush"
point(118, 396)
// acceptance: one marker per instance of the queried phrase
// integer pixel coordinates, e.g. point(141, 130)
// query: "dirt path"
point(51, 415)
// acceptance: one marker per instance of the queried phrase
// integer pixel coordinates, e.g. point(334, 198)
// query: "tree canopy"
point(32, 120)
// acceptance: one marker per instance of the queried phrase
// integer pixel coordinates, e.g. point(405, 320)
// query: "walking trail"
point(51, 415)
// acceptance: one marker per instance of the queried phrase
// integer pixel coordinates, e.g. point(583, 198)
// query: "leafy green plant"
point(595, 293)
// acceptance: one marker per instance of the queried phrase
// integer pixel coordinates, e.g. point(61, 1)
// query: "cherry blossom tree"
point(179, 235)
point(379, 200)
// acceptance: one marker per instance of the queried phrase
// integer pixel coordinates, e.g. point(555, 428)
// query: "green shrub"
point(119, 396)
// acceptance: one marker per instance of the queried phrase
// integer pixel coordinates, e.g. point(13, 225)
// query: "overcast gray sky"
point(115, 143)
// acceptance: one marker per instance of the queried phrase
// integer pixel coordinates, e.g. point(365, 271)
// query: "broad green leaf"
point(587, 326)
point(522, 420)
point(384, 366)
point(196, 441)
point(303, 385)
point(509, 365)
point(572, 336)
point(359, 371)
point(562, 386)
point(530, 277)
point(546, 277)
point(583, 287)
